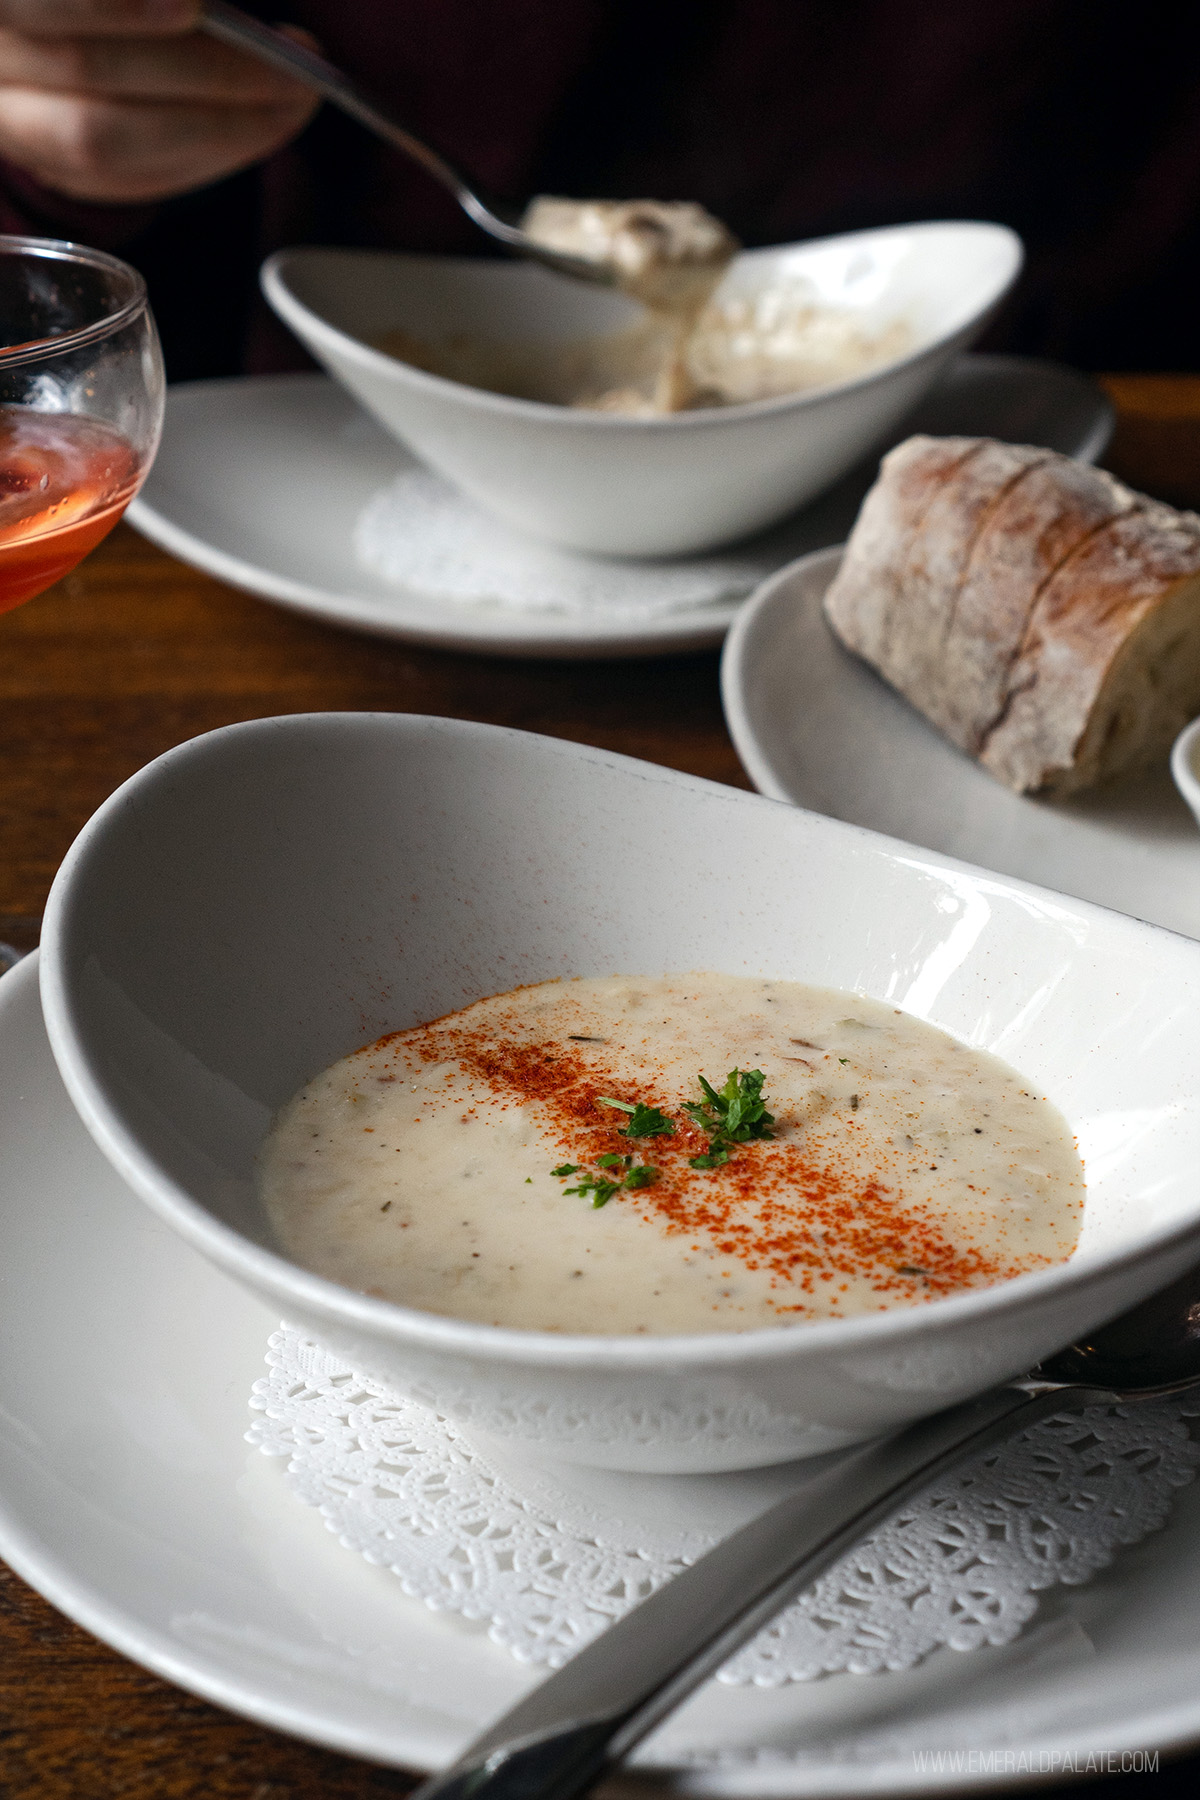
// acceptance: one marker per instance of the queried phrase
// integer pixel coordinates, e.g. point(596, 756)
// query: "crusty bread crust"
point(1109, 670)
point(920, 619)
point(1042, 615)
point(1041, 521)
point(869, 580)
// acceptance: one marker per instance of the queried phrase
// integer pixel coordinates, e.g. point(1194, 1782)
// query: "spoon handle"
point(232, 26)
point(588, 1716)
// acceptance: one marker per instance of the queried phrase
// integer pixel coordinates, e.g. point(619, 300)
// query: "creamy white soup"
point(670, 1154)
point(779, 342)
point(670, 254)
point(686, 353)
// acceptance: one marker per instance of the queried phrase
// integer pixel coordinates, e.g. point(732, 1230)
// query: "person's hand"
point(122, 101)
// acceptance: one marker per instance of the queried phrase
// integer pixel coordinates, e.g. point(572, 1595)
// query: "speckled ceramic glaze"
point(258, 902)
point(640, 487)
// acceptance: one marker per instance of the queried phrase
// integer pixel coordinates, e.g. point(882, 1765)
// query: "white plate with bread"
point(994, 668)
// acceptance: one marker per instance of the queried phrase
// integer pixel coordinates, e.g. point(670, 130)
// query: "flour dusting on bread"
point(1038, 612)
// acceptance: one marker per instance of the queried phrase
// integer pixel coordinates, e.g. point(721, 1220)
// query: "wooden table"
point(134, 653)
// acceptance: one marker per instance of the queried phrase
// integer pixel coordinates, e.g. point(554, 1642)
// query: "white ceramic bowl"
point(264, 899)
point(1185, 766)
point(639, 487)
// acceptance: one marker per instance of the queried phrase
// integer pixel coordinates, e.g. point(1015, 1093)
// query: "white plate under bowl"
point(814, 725)
point(129, 1498)
point(261, 482)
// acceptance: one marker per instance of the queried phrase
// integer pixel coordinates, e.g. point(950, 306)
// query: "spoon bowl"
point(1152, 1349)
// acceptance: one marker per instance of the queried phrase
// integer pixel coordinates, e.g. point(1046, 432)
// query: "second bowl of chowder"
point(608, 482)
point(354, 886)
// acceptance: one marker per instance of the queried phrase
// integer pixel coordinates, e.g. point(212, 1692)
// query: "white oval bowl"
point(639, 487)
point(1185, 754)
point(262, 900)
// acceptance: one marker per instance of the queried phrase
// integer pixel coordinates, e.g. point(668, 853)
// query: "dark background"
point(1076, 123)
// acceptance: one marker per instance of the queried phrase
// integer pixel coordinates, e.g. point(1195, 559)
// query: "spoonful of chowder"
point(670, 255)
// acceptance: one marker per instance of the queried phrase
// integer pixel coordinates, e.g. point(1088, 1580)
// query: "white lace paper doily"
point(421, 533)
point(547, 1556)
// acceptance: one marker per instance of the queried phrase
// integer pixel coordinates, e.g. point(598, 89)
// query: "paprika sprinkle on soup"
point(670, 1154)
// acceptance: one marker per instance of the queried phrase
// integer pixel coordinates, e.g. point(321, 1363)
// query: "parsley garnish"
point(736, 1115)
point(644, 1121)
point(713, 1160)
point(601, 1188)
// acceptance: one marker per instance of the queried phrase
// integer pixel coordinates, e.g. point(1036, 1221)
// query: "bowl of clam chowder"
point(578, 416)
point(609, 1111)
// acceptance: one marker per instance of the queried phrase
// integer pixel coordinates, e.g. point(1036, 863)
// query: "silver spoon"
point(583, 1720)
point(233, 26)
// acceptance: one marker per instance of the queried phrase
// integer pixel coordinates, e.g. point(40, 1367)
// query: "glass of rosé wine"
point(81, 405)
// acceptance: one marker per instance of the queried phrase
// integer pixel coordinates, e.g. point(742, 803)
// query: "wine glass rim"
point(67, 250)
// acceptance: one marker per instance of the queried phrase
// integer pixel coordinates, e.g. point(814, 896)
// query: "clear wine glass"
point(81, 405)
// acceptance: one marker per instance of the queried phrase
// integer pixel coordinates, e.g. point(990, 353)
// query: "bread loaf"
point(1042, 615)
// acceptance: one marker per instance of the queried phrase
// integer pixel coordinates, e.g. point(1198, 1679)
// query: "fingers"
point(128, 151)
point(121, 101)
point(99, 18)
point(194, 67)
